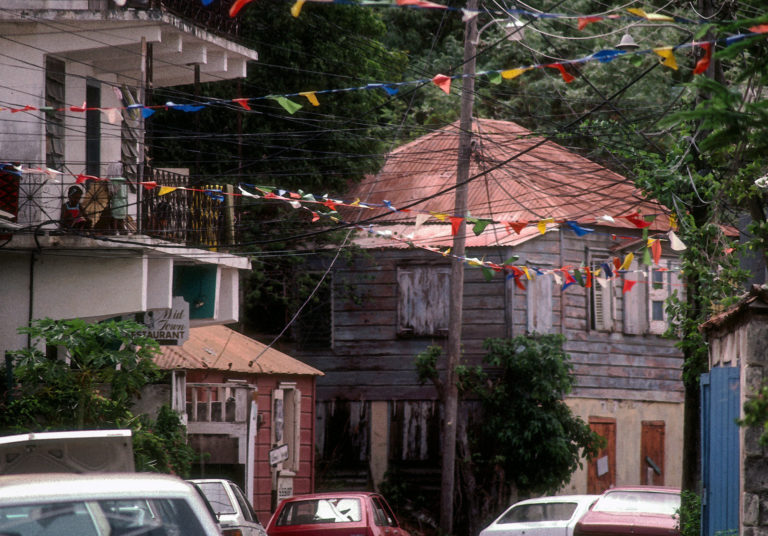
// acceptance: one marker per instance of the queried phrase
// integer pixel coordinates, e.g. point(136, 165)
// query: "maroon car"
point(637, 510)
point(334, 514)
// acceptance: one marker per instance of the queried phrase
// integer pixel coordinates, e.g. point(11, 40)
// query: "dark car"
point(335, 514)
point(638, 510)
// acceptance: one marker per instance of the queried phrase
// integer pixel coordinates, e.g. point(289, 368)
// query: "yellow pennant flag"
point(650, 16)
point(527, 273)
point(668, 55)
point(296, 8)
point(440, 216)
point(627, 261)
point(512, 73)
point(165, 190)
point(542, 225)
point(311, 97)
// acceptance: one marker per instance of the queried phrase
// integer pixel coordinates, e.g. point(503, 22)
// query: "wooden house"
point(567, 220)
point(249, 411)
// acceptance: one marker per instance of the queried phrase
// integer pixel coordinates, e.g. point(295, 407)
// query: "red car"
point(335, 514)
point(637, 510)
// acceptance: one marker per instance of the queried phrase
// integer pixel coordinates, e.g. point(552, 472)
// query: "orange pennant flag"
point(656, 251)
point(237, 6)
point(242, 102)
point(517, 226)
point(311, 97)
point(760, 28)
point(703, 64)
point(583, 21)
point(567, 77)
point(443, 82)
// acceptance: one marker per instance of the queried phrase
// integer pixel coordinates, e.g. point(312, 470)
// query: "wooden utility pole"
point(451, 395)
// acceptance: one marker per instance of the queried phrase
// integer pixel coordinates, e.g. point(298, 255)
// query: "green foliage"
point(756, 413)
point(527, 428)
point(689, 520)
point(161, 445)
point(107, 365)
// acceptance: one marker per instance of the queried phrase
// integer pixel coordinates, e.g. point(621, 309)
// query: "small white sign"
point(602, 465)
point(168, 326)
point(279, 454)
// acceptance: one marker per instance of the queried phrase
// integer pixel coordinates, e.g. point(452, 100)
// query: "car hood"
point(84, 451)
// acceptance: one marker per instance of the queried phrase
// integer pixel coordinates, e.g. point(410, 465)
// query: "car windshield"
point(648, 502)
point(217, 497)
point(326, 510)
point(528, 513)
point(125, 517)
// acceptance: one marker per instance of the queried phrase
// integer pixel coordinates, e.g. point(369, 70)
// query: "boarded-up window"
point(652, 453)
point(539, 305)
point(423, 296)
point(601, 471)
point(54, 119)
point(635, 301)
point(286, 422)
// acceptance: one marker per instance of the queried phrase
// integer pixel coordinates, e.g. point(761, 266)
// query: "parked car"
point(102, 504)
point(550, 516)
point(639, 510)
point(329, 514)
point(232, 509)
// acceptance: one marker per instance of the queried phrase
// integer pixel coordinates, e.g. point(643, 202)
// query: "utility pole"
point(451, 400)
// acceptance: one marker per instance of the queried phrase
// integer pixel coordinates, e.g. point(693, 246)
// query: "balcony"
point(195, 215)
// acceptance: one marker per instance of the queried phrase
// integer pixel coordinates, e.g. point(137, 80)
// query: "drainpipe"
point(30, 306)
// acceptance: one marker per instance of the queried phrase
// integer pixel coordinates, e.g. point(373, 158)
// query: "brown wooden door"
point(652, 453)
point(601, 470)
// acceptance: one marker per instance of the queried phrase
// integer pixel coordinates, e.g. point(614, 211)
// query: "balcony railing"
point(189, 214)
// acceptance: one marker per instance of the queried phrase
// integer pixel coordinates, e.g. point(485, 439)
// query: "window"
point(54, 119)
point(286, 422)
point(93, 128)
point(539, 305)
point(645, 304)
point(423, 298)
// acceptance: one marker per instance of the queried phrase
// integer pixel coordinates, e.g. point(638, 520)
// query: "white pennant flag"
point(676, 243)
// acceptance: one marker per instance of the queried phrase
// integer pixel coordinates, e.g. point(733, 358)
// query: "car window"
point(125, 517)
point(218, 497)
point(532, 513)
point(638, 501)
point(383, 515)
point(245, 505)
point(327, 510)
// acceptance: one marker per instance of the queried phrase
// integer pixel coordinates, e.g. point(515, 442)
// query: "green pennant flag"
point(487, 272)
point(480, 226)
point(289, 106)
point(495, 78)
point(512, 259)
point(579, 279)
point(647, 257)
point(645, 234)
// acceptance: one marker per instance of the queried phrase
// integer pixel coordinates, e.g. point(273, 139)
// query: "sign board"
point(279, 454)
point(284, 487)
point(168, 327)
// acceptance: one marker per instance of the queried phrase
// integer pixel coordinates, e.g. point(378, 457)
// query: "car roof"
point(330, 494)
point(559, 498)
point(42, 487)
point(655, 489)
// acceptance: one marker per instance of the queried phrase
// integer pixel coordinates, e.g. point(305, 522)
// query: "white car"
point(232, 508)
point(102, 504)
point(544, 516)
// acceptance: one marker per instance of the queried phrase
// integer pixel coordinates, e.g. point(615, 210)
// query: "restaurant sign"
point(169, 327)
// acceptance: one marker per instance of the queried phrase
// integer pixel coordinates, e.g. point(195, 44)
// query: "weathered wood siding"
point(372, 359)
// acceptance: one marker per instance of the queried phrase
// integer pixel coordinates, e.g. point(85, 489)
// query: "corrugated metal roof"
point(222, 348)
point(547, 181)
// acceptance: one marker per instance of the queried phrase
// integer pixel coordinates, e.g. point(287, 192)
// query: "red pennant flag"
point(567, 77)
point(443, 82)
point(516, 271)
point(81, 179)
point(149, 185)
point(516, 225)
point(583, 21)
point(569, 280)
point(628, 284)
point(703, 64)
point(315, 217)
point(455, 224)
point(242, 102)
point(617, 263)
point(330, 204)
point(761, 28)
point(656, 251)
point(588, 284)
point(237, 6)
point(25, 109)
point(638, 221)
point(519, 283)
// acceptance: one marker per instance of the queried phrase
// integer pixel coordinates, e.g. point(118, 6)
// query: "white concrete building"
point(75, 73)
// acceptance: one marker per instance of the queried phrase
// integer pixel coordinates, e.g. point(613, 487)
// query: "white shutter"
point(635, 302)
point(539, 305)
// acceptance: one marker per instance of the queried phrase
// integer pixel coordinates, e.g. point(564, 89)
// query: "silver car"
point(545, 516)
point(102, 504)
point(232, 508)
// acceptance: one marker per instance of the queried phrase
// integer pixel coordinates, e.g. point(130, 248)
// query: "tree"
point(92, 386)
point(524, 439)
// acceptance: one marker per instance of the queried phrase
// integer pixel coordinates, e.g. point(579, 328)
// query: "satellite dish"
point(120, 3)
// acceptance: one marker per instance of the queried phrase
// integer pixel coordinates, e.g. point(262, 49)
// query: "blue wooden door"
point(720, 451)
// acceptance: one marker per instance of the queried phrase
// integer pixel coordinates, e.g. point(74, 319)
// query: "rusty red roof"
point(524, 182)
point(222, 348)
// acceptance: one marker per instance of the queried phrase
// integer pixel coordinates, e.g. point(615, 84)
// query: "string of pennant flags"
point(564, 276)
point(442, 81)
